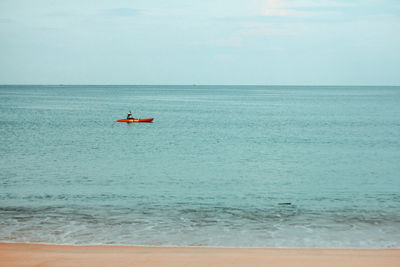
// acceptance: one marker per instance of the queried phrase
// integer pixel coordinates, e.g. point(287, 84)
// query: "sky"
point(260, 42)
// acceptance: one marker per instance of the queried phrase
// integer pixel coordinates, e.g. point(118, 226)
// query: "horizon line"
point(94, 84)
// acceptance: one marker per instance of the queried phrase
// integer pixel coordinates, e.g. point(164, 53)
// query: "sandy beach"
point(65, 255)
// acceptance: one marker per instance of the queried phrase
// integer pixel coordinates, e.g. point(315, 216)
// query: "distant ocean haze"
point(215, 168)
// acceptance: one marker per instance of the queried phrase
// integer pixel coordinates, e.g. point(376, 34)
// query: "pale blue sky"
point(311, 42)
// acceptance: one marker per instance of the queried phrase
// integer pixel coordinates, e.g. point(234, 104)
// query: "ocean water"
point(211, 170)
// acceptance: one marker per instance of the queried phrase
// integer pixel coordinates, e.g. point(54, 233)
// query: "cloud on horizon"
point(300, 8)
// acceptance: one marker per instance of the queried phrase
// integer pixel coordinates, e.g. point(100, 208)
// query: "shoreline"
point(24, 254)
point(190, 246)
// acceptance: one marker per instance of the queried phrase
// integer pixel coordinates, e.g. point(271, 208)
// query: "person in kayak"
point(129, 116)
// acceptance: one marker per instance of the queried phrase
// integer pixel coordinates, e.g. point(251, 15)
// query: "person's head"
point(129, 113)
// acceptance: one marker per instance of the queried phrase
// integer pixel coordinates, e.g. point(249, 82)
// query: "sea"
point(220, 166)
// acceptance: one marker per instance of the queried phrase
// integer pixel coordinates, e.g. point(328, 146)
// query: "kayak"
point(136, 120)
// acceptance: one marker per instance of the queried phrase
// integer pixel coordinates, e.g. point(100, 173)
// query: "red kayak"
point(136, 120)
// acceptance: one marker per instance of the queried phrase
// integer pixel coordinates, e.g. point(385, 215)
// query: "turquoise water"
point(210, 170)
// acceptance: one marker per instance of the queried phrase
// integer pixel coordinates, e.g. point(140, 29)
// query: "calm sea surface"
point(210, 170)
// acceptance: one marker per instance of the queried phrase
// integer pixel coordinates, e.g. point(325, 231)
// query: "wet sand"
point(65, 255)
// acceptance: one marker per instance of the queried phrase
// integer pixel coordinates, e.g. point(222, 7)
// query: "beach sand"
point(64, 255)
